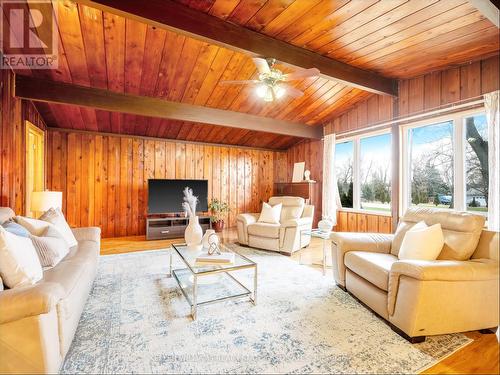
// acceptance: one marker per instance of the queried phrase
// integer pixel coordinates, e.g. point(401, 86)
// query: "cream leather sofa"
point(284, 237)
point(38, 322)
point(458, 292)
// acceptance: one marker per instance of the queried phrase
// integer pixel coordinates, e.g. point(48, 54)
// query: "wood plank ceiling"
point(104, 50)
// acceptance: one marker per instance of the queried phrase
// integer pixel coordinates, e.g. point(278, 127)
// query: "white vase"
point(204, 241)
point(193, 233)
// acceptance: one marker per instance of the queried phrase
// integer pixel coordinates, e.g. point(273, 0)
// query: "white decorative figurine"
point(307, 175)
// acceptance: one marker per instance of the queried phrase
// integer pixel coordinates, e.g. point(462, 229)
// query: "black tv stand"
point(172, 226)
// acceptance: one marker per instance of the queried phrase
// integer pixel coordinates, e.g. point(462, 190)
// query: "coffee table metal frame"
point(201, 271)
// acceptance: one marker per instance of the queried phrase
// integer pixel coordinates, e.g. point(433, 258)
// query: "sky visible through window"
point(375, 172)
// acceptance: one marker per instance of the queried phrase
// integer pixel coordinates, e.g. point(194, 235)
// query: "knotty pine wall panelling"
point(13, 114)
point(421, 94)
point(104, 178)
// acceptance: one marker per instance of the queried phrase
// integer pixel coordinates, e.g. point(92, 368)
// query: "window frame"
point(459, 144)
point(356, 188)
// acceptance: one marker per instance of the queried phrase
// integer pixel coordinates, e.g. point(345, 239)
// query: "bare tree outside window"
point(344, 153)
point(375, 171)
point(431, 165)
point(476, 164)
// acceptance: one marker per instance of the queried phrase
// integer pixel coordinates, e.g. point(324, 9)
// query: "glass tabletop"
point(316, 233)
point(189, 255)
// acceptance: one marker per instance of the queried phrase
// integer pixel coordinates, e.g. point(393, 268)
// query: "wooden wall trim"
point(63, 130)
point(13, 114)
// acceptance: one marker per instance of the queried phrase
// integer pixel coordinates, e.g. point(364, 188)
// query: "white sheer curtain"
point(330, 192)
point(492, 106)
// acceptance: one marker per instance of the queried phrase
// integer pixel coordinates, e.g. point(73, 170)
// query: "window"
point(363, 171)
point(445, 163)
point(344, 171)
point(375, 172)
point(476, 164)
point(431, 165)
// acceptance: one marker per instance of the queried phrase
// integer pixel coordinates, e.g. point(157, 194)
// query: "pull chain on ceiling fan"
point(271, 81)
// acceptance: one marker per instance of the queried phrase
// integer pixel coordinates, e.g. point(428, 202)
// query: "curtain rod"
point(449, 109)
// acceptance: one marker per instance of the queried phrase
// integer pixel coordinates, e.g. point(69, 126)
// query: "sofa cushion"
point(293, 207)
point(461, 230)
point(56, 218)
point(264, 230)
point(6, 214)
point(373, 267)
point(422, 242)
point(19, 263)
point(270, 214)
point(15, 228)
point(50, 250)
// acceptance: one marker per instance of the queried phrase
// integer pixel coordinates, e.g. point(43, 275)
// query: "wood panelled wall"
point(13, 114)
point(358, 222)
point(310, 152)
point(104, 178)
point(421, 94)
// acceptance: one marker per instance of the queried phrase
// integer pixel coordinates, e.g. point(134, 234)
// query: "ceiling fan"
point(271, 81)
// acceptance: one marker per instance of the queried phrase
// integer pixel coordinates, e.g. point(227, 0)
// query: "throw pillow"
point(19, 264)
point(270, 214)
point(56, 218)
point(422, 242)
point(51, 248)
point(16, 229)
point(34, 226)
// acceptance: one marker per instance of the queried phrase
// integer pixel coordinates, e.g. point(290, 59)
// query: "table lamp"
point(42, 201)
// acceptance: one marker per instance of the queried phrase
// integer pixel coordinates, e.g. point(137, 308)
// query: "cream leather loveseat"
point(456, 293)
point(38, 322)
point(283, 237)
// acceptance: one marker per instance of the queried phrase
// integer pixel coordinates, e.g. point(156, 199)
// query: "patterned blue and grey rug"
point(137, 321)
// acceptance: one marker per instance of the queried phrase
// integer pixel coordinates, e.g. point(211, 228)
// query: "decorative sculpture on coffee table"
point(213, 244)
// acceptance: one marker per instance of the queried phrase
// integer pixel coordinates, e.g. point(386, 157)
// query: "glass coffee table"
point(203, 284)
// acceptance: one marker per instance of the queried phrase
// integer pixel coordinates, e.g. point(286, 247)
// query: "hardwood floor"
point(479, 357)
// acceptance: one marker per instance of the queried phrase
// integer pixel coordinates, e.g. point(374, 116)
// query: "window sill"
point(365, 212)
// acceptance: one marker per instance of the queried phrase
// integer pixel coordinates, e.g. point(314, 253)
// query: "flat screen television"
point(166, 196)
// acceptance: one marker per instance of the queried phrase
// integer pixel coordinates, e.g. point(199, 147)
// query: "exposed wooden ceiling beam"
point(62, 93)
point(176, 17)
point(489, 9)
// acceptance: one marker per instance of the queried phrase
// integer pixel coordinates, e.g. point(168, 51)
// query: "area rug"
point(137, 321)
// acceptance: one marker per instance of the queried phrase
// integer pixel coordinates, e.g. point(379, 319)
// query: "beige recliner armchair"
point(283, 237)
point(458, 292)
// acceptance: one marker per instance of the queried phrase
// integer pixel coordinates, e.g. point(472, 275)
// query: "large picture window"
point(363, 171)
point(344, 154)
point(445, 163)
point(431, 165)
point(375, 172)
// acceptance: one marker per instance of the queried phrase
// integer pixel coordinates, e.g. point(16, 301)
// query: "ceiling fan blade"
point(261, 64)
point(246, 82)
point(304, 73)
point(291, 91)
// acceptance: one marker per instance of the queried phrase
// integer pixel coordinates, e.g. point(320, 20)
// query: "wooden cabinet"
point(306, 190)
point(159, 228)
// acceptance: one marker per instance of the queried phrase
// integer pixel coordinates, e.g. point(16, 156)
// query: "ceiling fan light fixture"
point(261, 91)
point(279, 92)
point(268, 97)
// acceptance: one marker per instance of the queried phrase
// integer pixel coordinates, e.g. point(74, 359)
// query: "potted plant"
point(217, 211)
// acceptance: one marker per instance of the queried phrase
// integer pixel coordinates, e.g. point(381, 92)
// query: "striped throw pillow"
point(50, 250)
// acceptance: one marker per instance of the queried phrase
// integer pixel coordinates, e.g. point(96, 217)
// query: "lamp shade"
point(42, 201)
